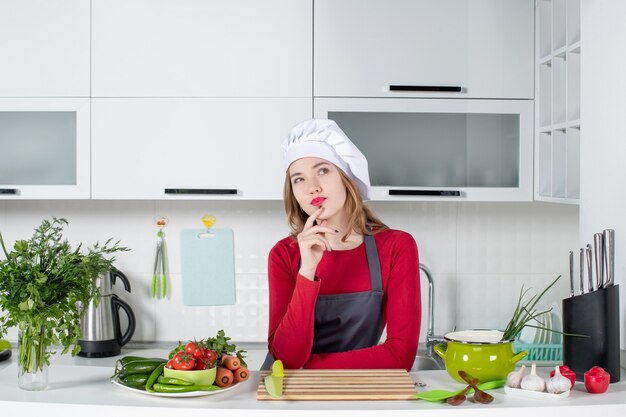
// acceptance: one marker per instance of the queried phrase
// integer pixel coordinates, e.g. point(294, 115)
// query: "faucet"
point(431, 340)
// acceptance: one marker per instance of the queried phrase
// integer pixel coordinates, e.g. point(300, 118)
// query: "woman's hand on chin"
point(312, 242)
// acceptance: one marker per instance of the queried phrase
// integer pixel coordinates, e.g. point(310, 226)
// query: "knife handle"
point(589, 267)
point(598, 248)
point(571, 273)
point(609, 256)
point(582, 270)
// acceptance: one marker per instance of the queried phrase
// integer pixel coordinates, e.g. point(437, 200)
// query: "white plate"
point(178, 395)
point(547, 335)
point(556, 323)
point(524, 393)
point(528, 335)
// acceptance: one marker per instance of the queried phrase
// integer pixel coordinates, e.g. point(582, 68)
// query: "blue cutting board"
point(208, 267)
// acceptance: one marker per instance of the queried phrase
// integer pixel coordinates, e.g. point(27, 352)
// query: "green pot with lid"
point(481, 353)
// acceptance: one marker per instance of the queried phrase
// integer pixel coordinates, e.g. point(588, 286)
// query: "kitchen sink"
point(424, 362)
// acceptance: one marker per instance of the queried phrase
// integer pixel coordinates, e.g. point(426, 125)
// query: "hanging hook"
point(208, 222)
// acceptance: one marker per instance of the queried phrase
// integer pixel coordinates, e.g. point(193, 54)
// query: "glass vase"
point(32, 360)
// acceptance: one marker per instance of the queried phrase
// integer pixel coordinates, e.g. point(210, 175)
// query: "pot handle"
point(518, 356)
point(440, 350)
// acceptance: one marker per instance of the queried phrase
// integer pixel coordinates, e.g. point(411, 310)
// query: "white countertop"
point(81, 387)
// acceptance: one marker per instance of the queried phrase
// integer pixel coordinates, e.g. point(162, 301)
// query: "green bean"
point(174, 389)
point(173, 381)
point(153, 377)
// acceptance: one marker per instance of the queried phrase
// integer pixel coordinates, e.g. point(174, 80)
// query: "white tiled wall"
point(480, 255)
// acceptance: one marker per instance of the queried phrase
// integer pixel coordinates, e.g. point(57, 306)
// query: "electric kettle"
point(102, 336)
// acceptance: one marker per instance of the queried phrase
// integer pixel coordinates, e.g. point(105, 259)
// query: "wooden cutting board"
point(342, 384)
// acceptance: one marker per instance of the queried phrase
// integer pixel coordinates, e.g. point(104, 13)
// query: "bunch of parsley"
point(43, 281)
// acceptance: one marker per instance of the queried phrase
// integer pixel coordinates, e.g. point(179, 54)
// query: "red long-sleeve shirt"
point(292, 302)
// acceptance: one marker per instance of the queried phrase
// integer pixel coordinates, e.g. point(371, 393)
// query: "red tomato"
point(183, 362)
point(567, 373)
point(597, 380)
point(170, 364)
point(200, 365)
point(191, 348)
point(209, 355)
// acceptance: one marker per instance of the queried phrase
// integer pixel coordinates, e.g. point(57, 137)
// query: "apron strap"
point(373, 262)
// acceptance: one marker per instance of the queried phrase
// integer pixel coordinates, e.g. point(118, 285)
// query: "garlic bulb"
point(514, 378)
point(533, 382)
point(558, 383)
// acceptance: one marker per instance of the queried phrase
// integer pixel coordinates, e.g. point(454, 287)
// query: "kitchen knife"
point(598, 249)
point(582, 270)
point(571, 273)
point(589, 267)
point(609, 256)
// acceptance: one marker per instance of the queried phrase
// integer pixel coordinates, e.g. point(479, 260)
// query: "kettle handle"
point(122, 339)
point(116, 273)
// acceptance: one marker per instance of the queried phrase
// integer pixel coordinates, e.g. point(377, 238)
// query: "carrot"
point(224, 377)
point(241, 374)
point(230, 362)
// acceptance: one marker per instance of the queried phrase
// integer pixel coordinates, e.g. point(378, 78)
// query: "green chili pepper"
point(175, 389)
point(153, 377)
point(172, 381)
point(136, 378)
point(140, 367)
point(137, 381)
point(128, 359)
point(135, 385)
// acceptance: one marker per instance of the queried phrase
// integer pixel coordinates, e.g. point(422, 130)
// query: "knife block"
point(595, 314)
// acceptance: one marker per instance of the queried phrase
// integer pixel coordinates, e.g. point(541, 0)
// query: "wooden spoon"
point(460, 397)
point(479, 396)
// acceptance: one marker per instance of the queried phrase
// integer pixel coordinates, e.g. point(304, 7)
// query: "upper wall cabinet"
point(424, 48)
point(44, 48)
point(44, 148)
point(210, 48)
point(191, 148)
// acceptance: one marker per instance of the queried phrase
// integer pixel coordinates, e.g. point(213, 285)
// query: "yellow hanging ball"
point(208, 221)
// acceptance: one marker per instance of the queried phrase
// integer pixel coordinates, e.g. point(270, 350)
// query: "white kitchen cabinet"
point(440, 149)
point(197, 148)
point(557, 113)
point(44, 48)
point(363, 49)
point(208, 48)
point(44, 148)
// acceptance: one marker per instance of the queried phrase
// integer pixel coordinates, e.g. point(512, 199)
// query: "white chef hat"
point(322, 138)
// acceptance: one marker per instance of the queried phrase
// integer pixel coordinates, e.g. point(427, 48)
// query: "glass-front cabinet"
point(44, 148)
point(440, 149)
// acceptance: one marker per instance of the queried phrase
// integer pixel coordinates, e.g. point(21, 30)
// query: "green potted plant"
point(42, 283)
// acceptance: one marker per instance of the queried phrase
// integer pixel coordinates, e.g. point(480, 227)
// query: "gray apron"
point(349, 321)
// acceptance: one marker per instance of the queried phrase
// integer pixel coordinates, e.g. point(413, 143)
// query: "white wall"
point(603, 131)
point(480, 254)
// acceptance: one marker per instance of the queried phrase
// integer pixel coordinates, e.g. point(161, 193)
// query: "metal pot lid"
point(476, 337)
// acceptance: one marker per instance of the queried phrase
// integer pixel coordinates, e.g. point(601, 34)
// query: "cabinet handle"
point(439, 193)
point(214, 191)
point(436, 88)
point(8, 190)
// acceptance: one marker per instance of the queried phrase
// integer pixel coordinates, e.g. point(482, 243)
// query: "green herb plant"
point(525, 312)
point(42, 283)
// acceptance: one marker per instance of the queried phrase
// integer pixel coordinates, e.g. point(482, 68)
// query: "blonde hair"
point(361, 219)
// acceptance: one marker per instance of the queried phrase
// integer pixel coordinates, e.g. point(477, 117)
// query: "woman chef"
point(342, 274)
